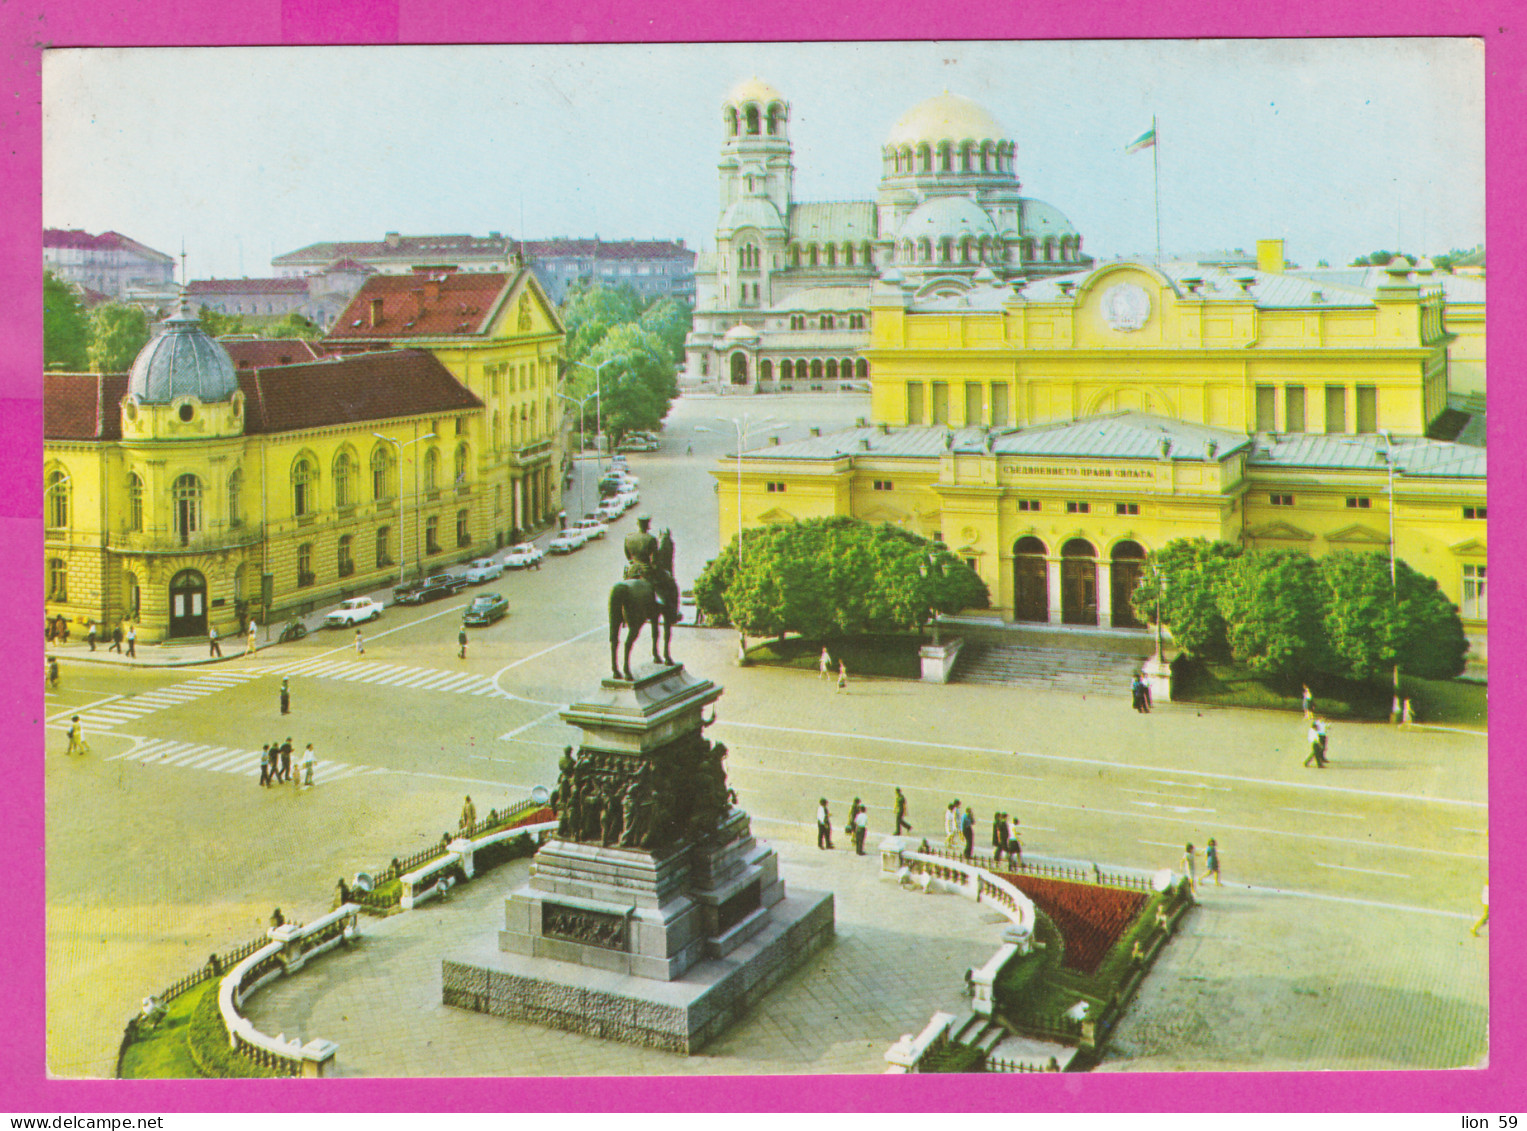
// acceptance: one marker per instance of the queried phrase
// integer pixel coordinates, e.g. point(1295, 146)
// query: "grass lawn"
point(1443, 701)
point(161, 1054)
point(885, 655)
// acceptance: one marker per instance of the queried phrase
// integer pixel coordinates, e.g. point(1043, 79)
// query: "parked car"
point(354, 611)
point(523, 555)
point(610, 510)
point(430, 589)
point(638, 444)
point(569, 540)
point(483, 569)
point(628, 499)
point(610, 484)
point(591, 527)
point(486, 608)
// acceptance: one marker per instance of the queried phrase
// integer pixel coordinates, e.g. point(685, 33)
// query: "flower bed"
point(1091, 919)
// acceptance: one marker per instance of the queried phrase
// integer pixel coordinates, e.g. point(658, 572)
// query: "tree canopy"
point(117, 333)
point(635, 351)
point(1191, 570)
point(294, 325)
point(1372, 624)
point(837, 576)
point(65, 330)
point(1273, 603)
point(591, 312)
point(217, 323)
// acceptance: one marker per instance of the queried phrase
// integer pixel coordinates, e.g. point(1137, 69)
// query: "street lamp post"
point(743, 428)
point(418, 560)
point(1386, 453)
point(598, 405)
point(581, 405)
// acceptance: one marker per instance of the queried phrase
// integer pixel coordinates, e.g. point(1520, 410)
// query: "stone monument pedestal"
point(654, 917)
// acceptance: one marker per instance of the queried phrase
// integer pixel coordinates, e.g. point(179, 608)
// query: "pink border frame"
point(29, 25)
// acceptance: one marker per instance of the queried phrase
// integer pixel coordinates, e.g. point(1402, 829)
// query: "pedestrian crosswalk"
point(105, 716)
point(229, 760)
point(392, 675)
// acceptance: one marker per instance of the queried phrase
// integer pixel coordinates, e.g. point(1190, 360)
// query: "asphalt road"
point(1397, 822)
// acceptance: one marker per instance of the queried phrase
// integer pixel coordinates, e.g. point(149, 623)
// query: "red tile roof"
point(287, 398)
point(264, 352)
point(366, 387)
point(106, 241)
point(430, 304)
point(246, 286)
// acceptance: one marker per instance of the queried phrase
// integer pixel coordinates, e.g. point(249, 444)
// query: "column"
point(1052, 587)
point(1105, 593)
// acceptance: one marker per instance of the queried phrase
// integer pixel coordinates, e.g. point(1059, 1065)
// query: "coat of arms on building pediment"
point(1358, 534)
point(1280, 531)
point(1126, 306)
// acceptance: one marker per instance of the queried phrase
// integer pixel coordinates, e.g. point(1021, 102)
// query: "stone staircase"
point(1080, 671)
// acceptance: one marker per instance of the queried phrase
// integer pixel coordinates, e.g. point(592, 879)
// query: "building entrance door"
point(1128, 562)
point(1031, 581)
point(739, 369)
point(188, 604)
point(1078, 583)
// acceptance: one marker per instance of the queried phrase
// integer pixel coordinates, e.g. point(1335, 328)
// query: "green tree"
point(838, 576)
point(117, 333)
point(65, 332)
point(635, 390)
point(669, 320)
point(217, 323)
point(294, 325)
point(589, 313)
point(1372, 624)
point(1190, 570)
point(1274, 603)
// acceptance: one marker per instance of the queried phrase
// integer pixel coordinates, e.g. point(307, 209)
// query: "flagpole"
point(1156, 183)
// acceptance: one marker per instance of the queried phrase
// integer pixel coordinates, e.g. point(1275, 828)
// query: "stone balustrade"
point(291, 947)
point(938, 659)
point(908, 1054)
point(424, 882)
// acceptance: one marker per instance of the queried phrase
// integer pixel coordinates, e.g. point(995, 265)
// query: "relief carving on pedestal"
point(592, 928)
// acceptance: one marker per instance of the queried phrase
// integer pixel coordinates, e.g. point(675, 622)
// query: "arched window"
point(381, 473)
point(776, 117)
point(753, 120)
point(134, 501)
point(814, 255)
point(731, 122)
point(58, 500)
point(187, 497)
point(133, 597)
point(344, 468)
point(235, 498)
point(461, 465)
point(383, 547)
point(432, 469)
point(832, 369)
point(943, 158)
point(304, 486)
point(766, 371)
point(924, 158)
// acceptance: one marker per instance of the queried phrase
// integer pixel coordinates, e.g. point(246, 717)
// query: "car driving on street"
point(486, 608)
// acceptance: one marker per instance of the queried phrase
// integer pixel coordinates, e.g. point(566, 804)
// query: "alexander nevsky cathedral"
point(783, 301)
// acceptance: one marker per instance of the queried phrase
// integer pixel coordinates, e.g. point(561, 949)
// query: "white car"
point(628, 499)
point(353, 612)
point(629, 482)
point(610, 510)
point(591, 527)
point(569, 540)
point(483, 569)
point(524, 555)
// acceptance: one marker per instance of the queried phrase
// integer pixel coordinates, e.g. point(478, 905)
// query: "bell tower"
point(755, 152)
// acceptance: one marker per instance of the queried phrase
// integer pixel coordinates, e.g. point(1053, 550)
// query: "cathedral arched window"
point(753, 121)
point(731, 122)
point(814, 255)
point(965, 156)
point(832, 256)
point(776, 117)
point(943, 158)
point(924, 158)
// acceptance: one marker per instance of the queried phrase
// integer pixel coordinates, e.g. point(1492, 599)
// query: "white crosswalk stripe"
point(390, 675)
point(227, 760)
point(109, 715)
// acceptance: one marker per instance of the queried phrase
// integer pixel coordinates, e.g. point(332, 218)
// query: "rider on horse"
point(649, 571)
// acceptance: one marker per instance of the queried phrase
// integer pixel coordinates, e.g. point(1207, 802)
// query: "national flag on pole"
point(1144, 141)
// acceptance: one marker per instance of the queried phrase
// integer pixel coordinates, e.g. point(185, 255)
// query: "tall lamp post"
point(598, 406)
point(1385, 452)
point(582, 403)
point(400, 445)
point(743, 428)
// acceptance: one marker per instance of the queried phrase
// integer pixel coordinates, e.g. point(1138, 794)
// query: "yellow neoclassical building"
point(188, 495)
point(1055, 433)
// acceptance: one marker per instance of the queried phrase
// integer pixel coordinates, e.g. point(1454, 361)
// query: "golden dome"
point(946, 117)
point(753, 90)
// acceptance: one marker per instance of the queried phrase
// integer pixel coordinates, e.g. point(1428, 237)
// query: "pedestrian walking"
point(824, 825)
point(307, 765)
point(360, 644)
point(1190, 866)
point(1014, 844)
point(952, 824)
point(1317, 748)
point(901, 812)
point(468, 817)
point(90, 635)
point(461, 639)
point(1484, 898)
point(968, 831)
point(284, 765)
point(265, 764)
point(824, 663)
point(252, 627)
point(1307, 702)
point(116, 639)
point(998, 836)
point(132, 641)
point(855, 817)
point(286, 698)
point(1211, 862)
point(842, 676)
point(212, 645)
point(1320, 730)
point(1137, 693)
point(53, 672)
point(77, 743)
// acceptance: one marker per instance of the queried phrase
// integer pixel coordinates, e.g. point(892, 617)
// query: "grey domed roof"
point(1041, 219)
point(183, 360)
point(953, 216)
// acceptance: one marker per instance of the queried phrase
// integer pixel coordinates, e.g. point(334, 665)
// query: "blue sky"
point(1338, 146)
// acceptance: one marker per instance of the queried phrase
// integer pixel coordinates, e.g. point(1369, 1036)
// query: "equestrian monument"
point(653, 916)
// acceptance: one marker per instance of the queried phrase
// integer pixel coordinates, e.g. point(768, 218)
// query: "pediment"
point(1469, 548)
point(1359, 535)
point(883, 513)
point(1280, 531)
point(526, 310)
point(776, 514)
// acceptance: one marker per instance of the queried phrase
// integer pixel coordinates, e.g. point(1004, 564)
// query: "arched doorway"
point(739, 369)
point(1128, 564)
point(1031, 581)
point(188, 604)
point(1078, 583)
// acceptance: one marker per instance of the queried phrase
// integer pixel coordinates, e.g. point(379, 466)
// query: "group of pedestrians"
point(1004, 840)
point(858, 824)
point(960, 825)
point(1316, 737)
point(276, 764)
point(824, 666)
point(1140, 694)
point(57, 632)
point(1211, 864)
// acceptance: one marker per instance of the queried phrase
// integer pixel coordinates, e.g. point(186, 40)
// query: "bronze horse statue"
point(651, 596)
